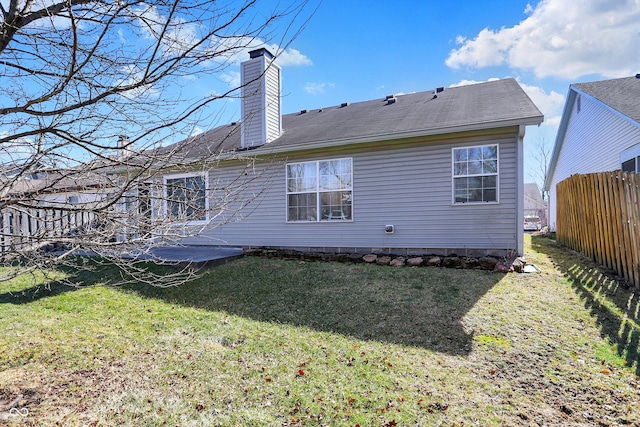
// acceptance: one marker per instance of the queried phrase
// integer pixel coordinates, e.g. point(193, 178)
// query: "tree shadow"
point(422, 307)
point(614, 304)
point(34, 293)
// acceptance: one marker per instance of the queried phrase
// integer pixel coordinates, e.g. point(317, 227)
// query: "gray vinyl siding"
point(405, 184)
point(272, 114)
point(594, 139)
point(252, 112)
point(261, 115)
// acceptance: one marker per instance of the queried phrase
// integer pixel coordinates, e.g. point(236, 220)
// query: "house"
point(436, 172)
point(534, 204)
point(599, 132)
point(39, 205)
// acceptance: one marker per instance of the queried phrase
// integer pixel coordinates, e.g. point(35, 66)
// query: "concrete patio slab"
point(198, 256)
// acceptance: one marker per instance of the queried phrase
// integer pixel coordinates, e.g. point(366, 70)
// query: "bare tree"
point(542, 152)
point(92, 93)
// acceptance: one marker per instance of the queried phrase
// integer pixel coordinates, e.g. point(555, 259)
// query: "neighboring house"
point(432, 172)
point(534, 204)
point(44, 204)
point(599, 132)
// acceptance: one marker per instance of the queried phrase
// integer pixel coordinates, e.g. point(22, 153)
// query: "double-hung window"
point(186, 197)
point(319, 190)
point(475, 174)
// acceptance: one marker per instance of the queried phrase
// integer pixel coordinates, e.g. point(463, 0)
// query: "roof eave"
point(562, 130)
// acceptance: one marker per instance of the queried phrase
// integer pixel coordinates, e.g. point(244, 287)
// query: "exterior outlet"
point(261, 110)
point(389, 229)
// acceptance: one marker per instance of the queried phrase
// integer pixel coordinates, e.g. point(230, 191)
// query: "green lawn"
point(264, 342)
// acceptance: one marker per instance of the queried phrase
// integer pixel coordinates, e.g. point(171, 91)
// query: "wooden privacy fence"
point(599, 215)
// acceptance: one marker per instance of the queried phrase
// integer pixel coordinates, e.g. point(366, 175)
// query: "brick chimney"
point(261, 112)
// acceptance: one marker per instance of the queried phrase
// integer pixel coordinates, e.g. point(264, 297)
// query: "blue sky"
point(355, 50)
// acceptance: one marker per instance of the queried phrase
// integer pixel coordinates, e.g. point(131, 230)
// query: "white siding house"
point(430, 172)
point(599, 131)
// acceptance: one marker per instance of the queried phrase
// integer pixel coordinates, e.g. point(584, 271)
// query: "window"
point(319, 191)
point(475, 174)
point(629, 166)
point(186, 199)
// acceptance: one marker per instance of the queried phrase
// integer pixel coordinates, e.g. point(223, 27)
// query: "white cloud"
point(289, 56)
point(231, 78)
point(236, 50)
point(133, 77)
point(559, 38)
point(550, 104)
point(318, 88)
point(175, 36)
point(472, 82)
point(197, 130)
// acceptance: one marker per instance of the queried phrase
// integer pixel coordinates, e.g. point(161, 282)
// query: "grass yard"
point(264, 342)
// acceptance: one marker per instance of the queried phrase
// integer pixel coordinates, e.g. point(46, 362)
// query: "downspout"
point(520, 191)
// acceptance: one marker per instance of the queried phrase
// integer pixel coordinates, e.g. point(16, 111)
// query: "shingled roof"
point(487, 105)
point(620, 94)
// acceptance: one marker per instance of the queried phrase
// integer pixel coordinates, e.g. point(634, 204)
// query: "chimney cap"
point(260, 52)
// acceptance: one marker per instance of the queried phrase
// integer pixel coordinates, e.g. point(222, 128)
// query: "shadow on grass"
point(34, 293)
point(615, 306)
point(421, 307)
point(86, 272)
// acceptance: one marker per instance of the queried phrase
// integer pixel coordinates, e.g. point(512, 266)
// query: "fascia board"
point(562, 130)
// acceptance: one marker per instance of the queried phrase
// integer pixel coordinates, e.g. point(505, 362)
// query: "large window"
point(186, 198)
point(475, 174)
point(319, 191)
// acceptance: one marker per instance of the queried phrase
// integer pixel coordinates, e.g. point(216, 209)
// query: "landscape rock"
point(397, 262)
point(370, 258)
point(470, 262)
point(415, 261)
point(355, 257)
point(383, 260)
point(452, 262)
point(488, 262)
point(434, 261)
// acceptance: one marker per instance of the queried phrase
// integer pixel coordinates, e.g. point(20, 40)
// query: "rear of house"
point(432, 172)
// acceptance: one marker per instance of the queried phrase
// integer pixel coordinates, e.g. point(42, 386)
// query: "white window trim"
point(165, 195)
point(317, 191)
point(631, 153)
point(497, 175)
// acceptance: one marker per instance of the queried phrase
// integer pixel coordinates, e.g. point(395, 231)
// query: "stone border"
point(488, 263)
